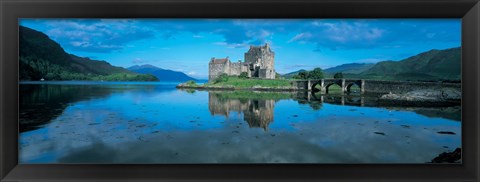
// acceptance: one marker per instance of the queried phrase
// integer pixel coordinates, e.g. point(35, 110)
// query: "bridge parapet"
point(372, 86)
point(399, 87)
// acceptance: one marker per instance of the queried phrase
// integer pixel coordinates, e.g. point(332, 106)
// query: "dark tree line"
point(32, 68)
point(316, 73)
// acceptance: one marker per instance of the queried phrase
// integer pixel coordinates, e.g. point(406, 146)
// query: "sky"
point(187, 45)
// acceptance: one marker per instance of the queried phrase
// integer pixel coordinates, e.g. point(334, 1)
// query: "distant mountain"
point(40, 57)
point(430, 65)
point(162, 74)
point(354, 68)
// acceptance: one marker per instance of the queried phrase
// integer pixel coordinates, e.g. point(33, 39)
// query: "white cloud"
point(232, 45)
point(358, 31)
point(300, 36)
point(88, 35)
point(339, 34)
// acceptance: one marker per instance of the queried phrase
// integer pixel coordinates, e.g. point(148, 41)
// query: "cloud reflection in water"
point(158, 126)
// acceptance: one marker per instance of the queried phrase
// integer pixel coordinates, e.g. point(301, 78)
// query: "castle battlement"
point(259, 63)
point(219, 61)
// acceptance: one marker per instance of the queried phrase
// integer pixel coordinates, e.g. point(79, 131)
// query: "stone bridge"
point(371, 86)
point(323, 85)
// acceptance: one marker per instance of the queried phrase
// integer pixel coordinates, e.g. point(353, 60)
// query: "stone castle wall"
point(214, 70)
point(235, 68)
point(266, 73)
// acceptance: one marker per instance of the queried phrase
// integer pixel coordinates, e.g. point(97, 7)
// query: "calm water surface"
point(120, 122)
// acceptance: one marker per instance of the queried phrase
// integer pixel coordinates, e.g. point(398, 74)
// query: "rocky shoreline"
point(449, 157)
point(426, 97)
point(418, 98)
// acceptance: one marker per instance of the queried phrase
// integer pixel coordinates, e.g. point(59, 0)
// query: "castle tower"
point(261, 61)
point(218, 66)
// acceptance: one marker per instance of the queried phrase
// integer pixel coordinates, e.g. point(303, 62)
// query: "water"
point(125, 122)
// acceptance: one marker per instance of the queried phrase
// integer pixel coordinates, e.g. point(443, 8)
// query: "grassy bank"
point(233, 82)
point(249, 83)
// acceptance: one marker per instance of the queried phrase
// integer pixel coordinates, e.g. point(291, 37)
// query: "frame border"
point(11, 10)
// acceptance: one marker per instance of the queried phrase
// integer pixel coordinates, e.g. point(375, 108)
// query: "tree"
point(302, 75)
point(338, 75)
point(317, 73)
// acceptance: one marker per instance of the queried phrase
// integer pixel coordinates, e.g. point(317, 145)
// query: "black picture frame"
point(468, 10)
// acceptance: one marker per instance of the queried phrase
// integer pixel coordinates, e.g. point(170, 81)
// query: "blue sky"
point(188, 44)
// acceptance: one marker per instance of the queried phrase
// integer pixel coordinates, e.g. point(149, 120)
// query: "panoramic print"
point(236, 91)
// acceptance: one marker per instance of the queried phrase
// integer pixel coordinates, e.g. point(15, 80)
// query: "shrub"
point(243, 75)
point(191, 83)
point(221, 78)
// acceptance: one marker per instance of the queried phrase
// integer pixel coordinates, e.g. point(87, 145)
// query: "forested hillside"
point(40, 57)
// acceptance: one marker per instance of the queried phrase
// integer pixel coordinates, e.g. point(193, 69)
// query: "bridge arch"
point(324, 85)
point(332, 84)
point(352, 84)
point(314, 87)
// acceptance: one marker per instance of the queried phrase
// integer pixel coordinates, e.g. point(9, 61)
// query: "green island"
point(238, 83)
point(242, 82)
point(235, 83)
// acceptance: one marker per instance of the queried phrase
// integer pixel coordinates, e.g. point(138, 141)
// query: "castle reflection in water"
point(256, 112)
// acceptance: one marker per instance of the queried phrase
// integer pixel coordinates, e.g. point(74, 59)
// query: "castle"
point(259, 63)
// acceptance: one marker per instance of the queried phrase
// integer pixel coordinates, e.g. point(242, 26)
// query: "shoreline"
point(427, 97)
point(417, 99)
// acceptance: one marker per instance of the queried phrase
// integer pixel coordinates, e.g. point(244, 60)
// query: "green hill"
point(353, 68)
point(40, 57)
point(432, 65)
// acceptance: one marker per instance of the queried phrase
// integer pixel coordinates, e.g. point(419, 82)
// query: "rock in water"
point(424, 97)
point(446, 132)
point(449, 157)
